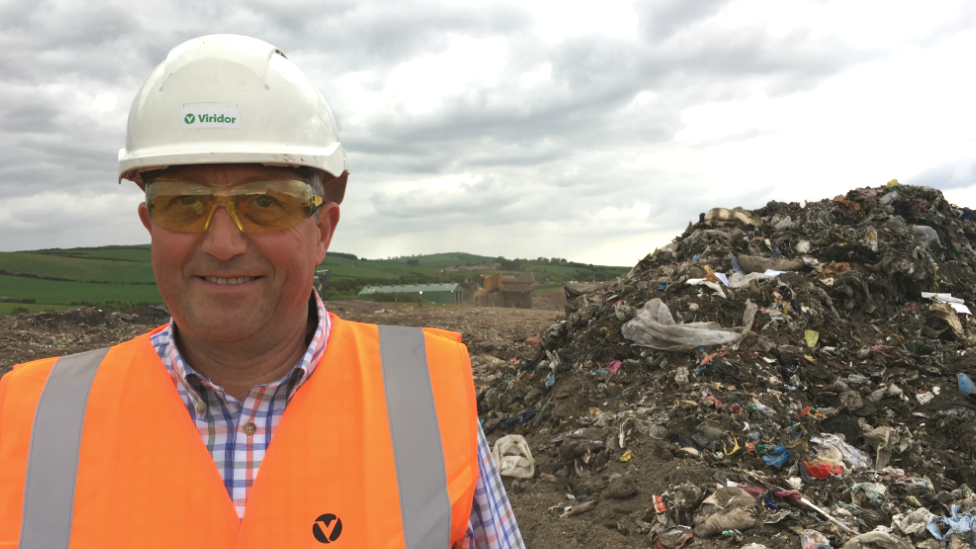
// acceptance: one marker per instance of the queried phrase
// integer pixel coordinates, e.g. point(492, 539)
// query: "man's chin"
point(224, 324)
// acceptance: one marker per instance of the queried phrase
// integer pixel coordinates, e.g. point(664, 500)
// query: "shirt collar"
point(306, 365)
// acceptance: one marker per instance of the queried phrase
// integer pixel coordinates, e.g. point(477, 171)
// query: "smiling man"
point(254, 418)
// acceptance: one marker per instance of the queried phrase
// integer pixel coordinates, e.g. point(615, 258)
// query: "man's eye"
point(264, 201)
point(187, 200)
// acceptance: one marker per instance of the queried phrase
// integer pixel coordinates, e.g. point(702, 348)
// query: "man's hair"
point(317, 179)
point(314, 180)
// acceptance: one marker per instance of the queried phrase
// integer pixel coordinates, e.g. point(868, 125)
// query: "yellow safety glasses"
point(255, 207)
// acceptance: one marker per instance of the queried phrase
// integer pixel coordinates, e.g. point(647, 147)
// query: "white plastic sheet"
point(956, 303)
point(741, 280)
point(513, 457)
point(654, 327)
point(849, 454)
point(715, 286)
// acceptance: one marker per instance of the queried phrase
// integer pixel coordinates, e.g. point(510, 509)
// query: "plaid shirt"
point(237, 434)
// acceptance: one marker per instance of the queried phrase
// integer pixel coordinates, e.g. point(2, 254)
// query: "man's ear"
point(144, 216)
point(326, 219)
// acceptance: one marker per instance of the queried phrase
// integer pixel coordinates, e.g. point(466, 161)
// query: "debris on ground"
point(784, 373)
point(28, 337)
point(492, 334)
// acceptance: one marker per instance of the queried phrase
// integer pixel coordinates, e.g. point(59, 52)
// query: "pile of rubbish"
point(791, 374)
point(28, 337)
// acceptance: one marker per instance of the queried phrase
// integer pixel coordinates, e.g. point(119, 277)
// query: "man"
point(254, 418)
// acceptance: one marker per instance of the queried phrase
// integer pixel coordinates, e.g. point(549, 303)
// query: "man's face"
point(193, 269)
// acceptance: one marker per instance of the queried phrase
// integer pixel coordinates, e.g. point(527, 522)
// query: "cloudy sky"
point(593, 131)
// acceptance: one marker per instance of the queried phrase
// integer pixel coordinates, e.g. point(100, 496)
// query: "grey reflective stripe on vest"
point(52, 464)
point(419, 455)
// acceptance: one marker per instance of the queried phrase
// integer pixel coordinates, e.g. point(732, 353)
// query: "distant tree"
point(413, 262)
point(347, 256)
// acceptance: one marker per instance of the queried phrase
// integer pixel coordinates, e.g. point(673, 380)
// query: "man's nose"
point(223, 239)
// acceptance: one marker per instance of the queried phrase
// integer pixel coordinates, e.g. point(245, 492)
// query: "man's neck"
point(238, 366)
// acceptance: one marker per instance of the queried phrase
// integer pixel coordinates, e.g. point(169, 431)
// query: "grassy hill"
point(116, 264)
point(342, 265)
point(122, 277)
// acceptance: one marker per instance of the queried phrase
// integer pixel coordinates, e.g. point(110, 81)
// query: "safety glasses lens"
point(261, 206)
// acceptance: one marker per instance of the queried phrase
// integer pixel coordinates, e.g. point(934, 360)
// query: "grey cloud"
point(659, 19)
point(470, 200)
point(560, 150)
point(956, 174)
point(551, 193)
point(379, 35)
point(26, 112)
point(594, 77)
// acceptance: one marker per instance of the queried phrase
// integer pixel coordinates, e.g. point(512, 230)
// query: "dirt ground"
point(622, 492)
point(35, 336)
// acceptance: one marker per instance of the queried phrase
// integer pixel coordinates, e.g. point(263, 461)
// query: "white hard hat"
point(229, 99)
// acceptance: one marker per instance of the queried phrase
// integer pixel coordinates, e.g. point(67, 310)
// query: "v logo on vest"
point(327, 528)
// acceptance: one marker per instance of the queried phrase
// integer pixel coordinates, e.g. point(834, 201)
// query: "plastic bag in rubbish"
point(880, 438)
point(715, 286)
point(913, 522)
point(513, 457)
point(674, 538)
point(739, 280)
point(654, 327)
point(777, 457)
point(866, 494)
point(759, 264)
point(886, 199)
point(723, 216)
point(812, 539)
point(966, 385)
point(728, 508)
point(823, 468)
point(959, 523)
point(877, 540)
point(928, 233)
point(856, 458)
point(957, 304)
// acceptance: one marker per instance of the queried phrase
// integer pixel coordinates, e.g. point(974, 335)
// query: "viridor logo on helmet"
point(200, 116)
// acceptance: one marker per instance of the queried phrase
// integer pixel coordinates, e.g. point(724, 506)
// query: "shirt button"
point(250, 428)
point(201, 407)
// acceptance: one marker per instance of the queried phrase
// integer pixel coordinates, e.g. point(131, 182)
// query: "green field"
point(62, 278)
point(57, 292)
point(110, 265)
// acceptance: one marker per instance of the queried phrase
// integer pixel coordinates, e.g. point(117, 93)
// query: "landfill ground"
point(790, 376)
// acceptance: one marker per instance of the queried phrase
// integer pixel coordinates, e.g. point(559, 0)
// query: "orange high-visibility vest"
point(377, 449)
